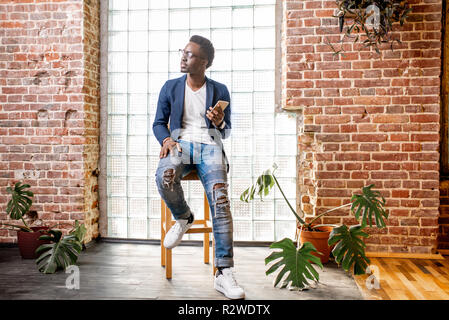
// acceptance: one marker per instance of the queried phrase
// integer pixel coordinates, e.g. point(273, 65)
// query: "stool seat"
point(199, 226)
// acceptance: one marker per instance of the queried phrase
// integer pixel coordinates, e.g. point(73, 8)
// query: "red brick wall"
point(367, 119)
point(49, 107)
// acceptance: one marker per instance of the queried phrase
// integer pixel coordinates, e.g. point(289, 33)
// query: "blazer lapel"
point(209, 98)
point(178, 104)
point(179, 95)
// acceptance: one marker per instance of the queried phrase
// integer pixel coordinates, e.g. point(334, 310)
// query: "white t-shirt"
point(194, 126)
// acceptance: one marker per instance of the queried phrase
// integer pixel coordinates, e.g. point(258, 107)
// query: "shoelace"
point(231, 277)
point(177, 227)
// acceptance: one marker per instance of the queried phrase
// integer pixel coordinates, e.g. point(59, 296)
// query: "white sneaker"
point(174, 235)
point(225, 283)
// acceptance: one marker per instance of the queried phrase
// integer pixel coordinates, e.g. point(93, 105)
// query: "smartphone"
point(221, 103)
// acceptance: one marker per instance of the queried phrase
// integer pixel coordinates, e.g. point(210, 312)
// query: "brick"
point(349, 147)
point(425, 137)
point(390, 147)
point(369, 137)
point(389, 175)
point(399, 137)
point(389, 157)
point(400, 193)
point(369, 147)
point(410, 203)
point(352, 157)
point(390, 118)
point(332, 137)
point(333, 83)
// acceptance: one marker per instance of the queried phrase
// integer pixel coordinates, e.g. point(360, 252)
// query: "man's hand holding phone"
point(216, 114)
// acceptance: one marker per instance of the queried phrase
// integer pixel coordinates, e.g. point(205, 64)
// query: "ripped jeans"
point(211, 168)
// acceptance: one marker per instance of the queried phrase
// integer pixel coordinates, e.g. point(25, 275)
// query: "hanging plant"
point(374, 18)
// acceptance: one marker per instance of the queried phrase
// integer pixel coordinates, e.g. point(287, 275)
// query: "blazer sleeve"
point(160, 124)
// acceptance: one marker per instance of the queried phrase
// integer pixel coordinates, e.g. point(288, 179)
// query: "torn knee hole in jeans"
point(169, 178)
point(220, 193)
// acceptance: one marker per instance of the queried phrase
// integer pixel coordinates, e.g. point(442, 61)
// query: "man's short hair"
point(206, 46)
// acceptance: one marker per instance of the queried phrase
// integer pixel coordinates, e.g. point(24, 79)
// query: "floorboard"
point(408, 279)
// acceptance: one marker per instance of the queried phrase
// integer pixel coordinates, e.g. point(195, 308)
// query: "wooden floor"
point(133, 271)
point(408, 279)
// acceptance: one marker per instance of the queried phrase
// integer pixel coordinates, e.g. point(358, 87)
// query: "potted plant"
point(348, 246)
point(18, 208)
point(374, 18)
point(62, 251)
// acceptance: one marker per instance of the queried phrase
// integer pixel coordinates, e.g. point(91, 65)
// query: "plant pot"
point(29, 241)
point(319, 240)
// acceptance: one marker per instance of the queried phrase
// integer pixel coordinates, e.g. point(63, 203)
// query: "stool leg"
point(162, 233)
point(206, 247)
point(214, 269)
point(168, 252)
point(168, 266)
point(206, 244)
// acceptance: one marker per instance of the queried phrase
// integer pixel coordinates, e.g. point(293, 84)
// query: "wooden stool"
point(199, 226)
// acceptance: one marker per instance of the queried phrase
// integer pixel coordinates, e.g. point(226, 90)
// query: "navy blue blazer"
point(170, 107)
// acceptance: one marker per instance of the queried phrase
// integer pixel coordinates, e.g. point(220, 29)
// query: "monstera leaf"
point(18, 226)
point(62, 253)
point(369, 203)
point(350, 248)
point(297, 262)
point(262, 187)
point(20, 202)
point(79, 230)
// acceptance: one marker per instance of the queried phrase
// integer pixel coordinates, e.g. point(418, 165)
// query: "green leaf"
point(349, 248)
point(264, 183)
point(78, 231)
point(20, 201)
point(23, 228)
point(62, 253)
point(369, 203)
point(296, 263)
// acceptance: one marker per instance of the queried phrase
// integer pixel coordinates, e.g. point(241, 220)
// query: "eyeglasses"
point(188, 54)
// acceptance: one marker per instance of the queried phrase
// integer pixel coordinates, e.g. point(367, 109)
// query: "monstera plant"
point(348, 247)
point(30, 228)
point(371, 18)
point(63, 251)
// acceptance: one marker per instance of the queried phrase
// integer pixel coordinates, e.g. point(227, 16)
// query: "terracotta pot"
point(319, 240)
point(29, 241)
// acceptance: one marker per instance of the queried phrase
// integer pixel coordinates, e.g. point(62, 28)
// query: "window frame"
point(104, 32)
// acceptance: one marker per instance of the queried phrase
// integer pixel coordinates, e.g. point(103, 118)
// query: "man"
point(194, 142)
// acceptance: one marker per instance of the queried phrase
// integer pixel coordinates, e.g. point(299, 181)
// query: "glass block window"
point(143, 41)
